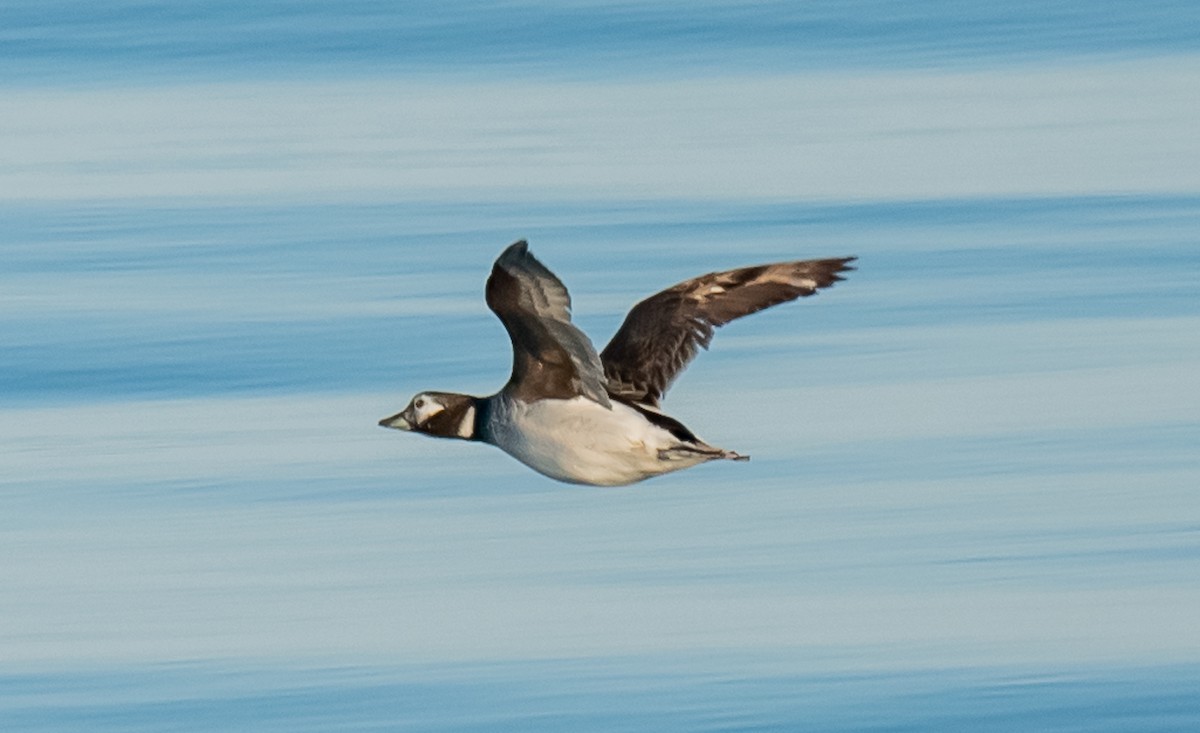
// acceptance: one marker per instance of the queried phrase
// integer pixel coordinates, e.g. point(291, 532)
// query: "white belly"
point(582, 442)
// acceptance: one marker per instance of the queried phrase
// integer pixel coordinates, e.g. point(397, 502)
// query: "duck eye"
point(419, 403)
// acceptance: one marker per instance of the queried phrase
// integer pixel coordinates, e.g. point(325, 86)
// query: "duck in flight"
point(587, 418)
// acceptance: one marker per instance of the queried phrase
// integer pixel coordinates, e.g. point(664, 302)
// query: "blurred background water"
point(235, 235)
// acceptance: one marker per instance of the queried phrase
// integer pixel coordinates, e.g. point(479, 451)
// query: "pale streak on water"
point(972, 503)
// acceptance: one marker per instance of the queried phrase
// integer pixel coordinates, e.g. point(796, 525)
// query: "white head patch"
point(425, 406)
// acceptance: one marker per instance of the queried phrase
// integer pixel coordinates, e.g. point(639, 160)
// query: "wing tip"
point(839, 265)
point(517, 249)
point(820, 274)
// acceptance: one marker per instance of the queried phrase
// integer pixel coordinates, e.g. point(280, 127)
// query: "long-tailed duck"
point(587, 418)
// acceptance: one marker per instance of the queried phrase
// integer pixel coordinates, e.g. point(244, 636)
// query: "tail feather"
point(710, 453)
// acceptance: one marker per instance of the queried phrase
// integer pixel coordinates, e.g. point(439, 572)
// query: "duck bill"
point(397, 421)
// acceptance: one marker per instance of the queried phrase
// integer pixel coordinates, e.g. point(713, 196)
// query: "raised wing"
point(551, 357)
point(661, 334)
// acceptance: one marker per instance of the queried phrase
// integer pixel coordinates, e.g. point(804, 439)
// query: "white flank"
point(582, 442)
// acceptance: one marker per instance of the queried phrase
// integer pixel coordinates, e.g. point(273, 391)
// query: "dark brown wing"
point(660, 335)
point(551, 357)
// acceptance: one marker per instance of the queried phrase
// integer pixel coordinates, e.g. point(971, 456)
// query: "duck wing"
point(661, 334)
point(551, 356)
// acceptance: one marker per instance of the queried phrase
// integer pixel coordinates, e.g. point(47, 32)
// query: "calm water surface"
point(972, 503)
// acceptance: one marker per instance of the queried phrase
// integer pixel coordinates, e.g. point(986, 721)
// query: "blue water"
point(68, 41)
point(233, 236)
point(589, 695)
